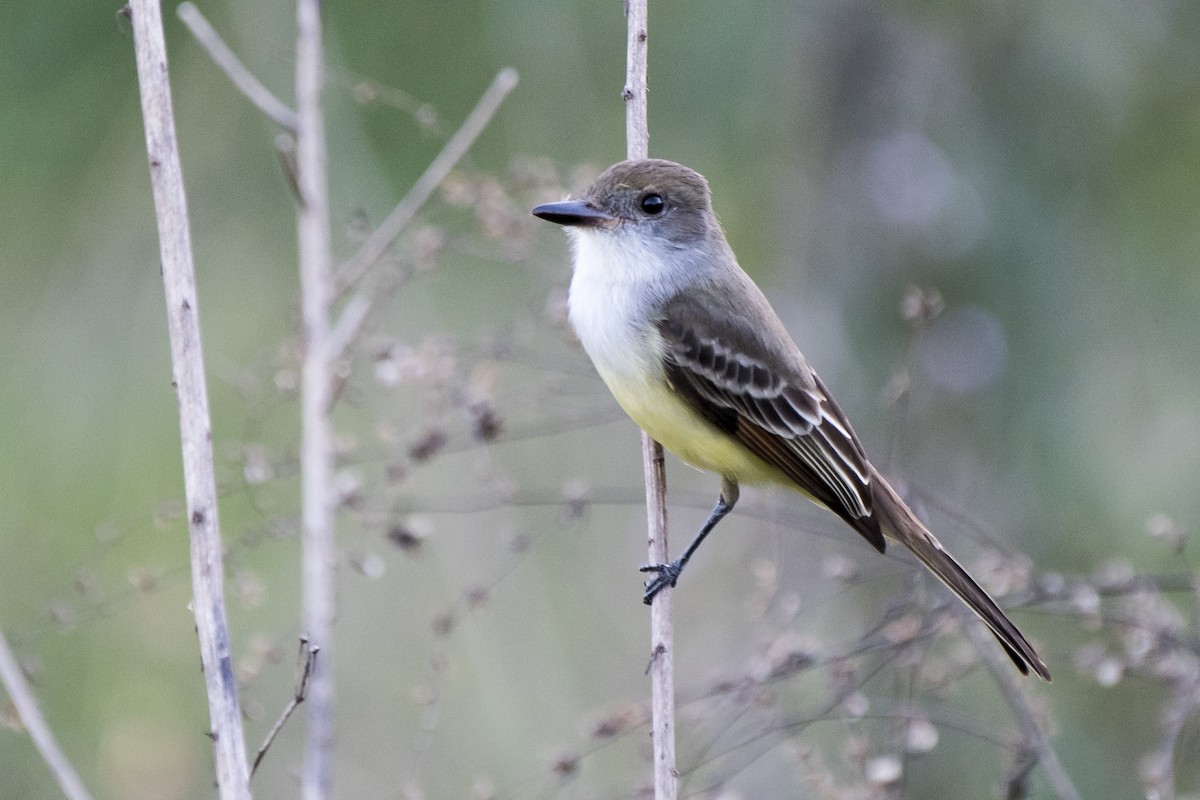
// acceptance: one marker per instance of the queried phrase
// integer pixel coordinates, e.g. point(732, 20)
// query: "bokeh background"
point(1033, 167)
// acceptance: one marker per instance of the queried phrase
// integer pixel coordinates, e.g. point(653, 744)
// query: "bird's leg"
point(667, 574)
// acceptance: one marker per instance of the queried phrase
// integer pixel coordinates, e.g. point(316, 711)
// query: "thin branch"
point(307, 663)
point(195, 426)
point(662, 660)
point(382, 237)
point(637, 126)
point(242, 78)
point(26, 704)
point(1031, 729)
point(316, 285)
point(349, 323)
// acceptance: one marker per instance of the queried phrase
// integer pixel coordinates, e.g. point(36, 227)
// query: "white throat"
point(620, 277)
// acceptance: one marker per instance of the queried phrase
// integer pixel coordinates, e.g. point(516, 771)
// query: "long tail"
point(897, 521)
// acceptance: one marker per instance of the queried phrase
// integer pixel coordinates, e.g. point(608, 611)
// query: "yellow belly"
point(670, 421)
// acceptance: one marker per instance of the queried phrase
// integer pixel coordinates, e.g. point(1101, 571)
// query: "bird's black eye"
point(653, 203)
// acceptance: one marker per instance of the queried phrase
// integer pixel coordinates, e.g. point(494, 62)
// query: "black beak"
point(572, 212)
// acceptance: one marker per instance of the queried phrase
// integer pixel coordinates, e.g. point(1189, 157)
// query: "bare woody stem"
point(353, 271)
point(195, 427)
point(662, 643)
point(637, 126)
point(316, 290)
point(23, 700)
point(308, 662)
point(662, 667)
point(382, 237)
point(245, 81)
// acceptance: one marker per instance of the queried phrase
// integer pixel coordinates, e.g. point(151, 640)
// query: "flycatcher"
point(691, 349)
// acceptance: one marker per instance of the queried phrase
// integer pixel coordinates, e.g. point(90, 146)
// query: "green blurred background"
point(1037, 163)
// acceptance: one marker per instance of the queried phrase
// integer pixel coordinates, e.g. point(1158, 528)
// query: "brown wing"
point(780, 411)
point(793, 424)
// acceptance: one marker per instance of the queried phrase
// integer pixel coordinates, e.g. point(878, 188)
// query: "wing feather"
point(788, 420)
point(762, 392)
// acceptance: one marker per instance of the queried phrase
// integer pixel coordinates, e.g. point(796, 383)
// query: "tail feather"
point(898, 522)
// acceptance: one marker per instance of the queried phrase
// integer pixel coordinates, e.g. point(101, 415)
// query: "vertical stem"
point(195, 426)
point(637, 126)
point(662, 658)
point(316, 289)
point(21, 696)
point(662, 667)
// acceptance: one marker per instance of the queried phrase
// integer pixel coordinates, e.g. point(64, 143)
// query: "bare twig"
point(637, 126)
point(1031, 729)
point(349, 323)
point(195, 427)
point(382, 237)
point(285, 151)
point(662, 658)
point(243, 79)
point(307, 663)
point(662, 665)
point(316, 284)
point(26, 704)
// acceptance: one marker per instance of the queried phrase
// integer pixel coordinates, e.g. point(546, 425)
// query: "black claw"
point(667, 575)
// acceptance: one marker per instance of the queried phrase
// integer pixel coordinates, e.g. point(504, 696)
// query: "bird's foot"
point(666, 575)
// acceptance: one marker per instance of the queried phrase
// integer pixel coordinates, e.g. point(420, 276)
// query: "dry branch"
point(187, 366)
point(662, 666)
point(245, 81)
point(21, 695)
point(382, 237)
point(307, 663)
point(352, 271)
point(316, 449)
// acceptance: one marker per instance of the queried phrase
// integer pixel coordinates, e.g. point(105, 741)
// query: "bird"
point(692, 350)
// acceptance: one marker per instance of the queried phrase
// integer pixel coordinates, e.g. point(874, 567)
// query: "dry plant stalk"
point(380, 239)
point(23, 700)
point(308, 662)
point(662, 666)
point(324, 341)
point(187, 366)
point(316, 449)
point(245, 81)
